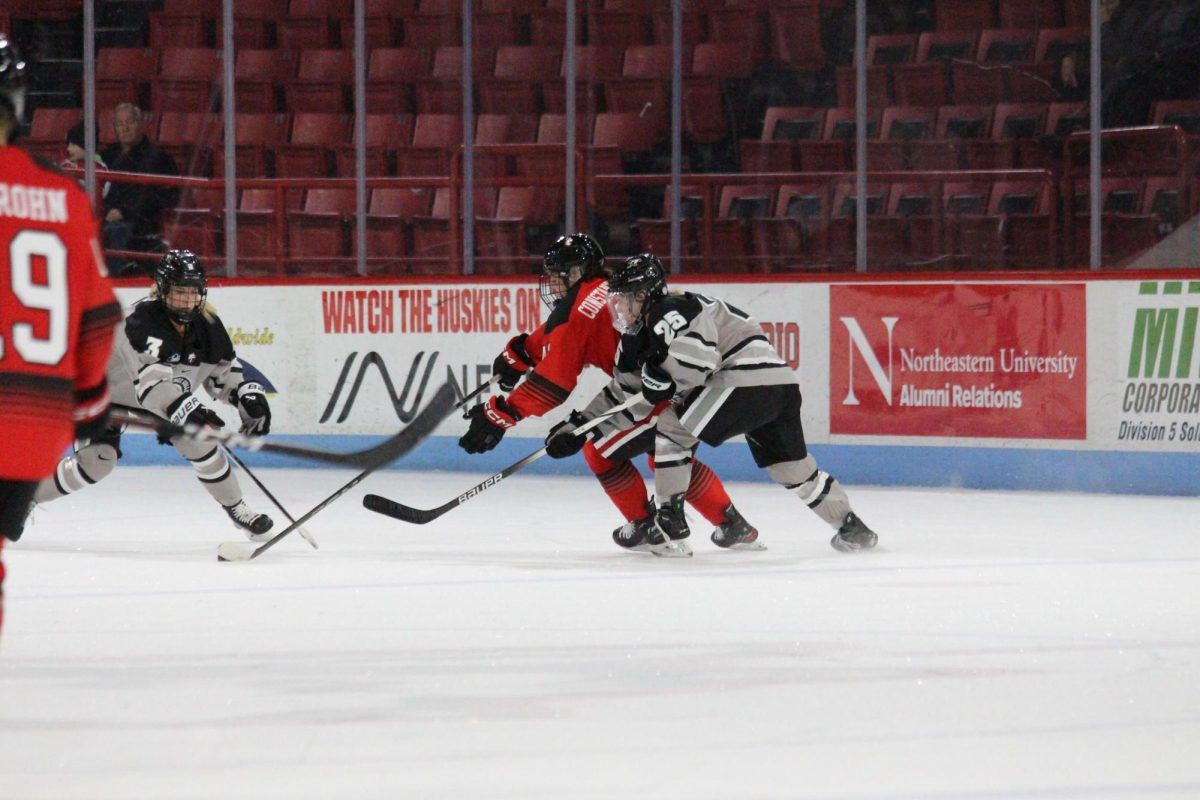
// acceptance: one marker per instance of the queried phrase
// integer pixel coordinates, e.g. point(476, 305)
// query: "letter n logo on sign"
point(862, 345)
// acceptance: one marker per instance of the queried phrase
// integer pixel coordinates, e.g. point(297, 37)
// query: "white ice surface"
point(996, 645)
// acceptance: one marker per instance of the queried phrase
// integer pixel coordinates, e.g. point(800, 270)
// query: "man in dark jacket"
point(133, 211)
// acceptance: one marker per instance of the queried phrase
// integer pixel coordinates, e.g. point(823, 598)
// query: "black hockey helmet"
point(631, 287)
point(572, 258)
point(13, 77)
point(180, 268)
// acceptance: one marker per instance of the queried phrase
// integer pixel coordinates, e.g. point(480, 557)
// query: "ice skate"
point(255, 525)
point(735, 533)
point(668, 536)
point(633, 534)
point(853, 535)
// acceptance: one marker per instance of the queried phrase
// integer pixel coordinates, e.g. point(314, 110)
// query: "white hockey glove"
point(253, 407)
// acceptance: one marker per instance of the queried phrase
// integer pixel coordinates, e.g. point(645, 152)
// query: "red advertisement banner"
point(974, 360)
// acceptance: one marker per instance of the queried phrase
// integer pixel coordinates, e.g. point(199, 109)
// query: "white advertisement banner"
point(361, 359)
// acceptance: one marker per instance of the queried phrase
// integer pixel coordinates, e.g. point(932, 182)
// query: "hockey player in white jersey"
point(174, 345)
point(723, 378)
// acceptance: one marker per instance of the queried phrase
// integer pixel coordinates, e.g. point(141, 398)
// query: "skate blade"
point(752, 546)
point(843, 546)
point(675, 549)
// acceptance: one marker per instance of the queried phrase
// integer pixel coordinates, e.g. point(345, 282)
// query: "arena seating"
point(768, 88)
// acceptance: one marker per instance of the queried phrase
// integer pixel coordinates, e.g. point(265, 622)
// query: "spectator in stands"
point(77, 152)
point(1149, 51)
point(132, 211)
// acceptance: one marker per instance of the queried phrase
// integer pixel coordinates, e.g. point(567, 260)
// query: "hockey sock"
point(819, 490)
point(91, 464)
point(621, 482)
point(215, 474)
point(705, 493)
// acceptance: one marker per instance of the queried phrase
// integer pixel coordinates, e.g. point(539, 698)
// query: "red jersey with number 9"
point(57, 315)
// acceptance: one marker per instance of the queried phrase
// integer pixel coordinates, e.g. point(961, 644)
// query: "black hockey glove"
point(188, 410)
point(91, 411)
point(561, 442)
point(253, 408)
point(657, 384)
point(489, 422)
point(511, 364)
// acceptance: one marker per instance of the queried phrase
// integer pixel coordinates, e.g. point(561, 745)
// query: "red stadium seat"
point(384, 132)
point(431, 241)
point(495, 29)
point(946, 45)
point(308, 24)
point(309, 149)
point(257, 135)
point(257, 228)
point(517, 74)
point(723, 60)
point(782, 127)
point(618, 28)
point(185, 80)
point(1184, 113)
point(123, 74)
point(434, 135)
point(1126, 229)
point(387, 226)
point(323, 79)
point(843, 220)
point(661, 27)
point(654, 235)
point(188, 136)
point(320, 230)
point(501, 243)
point(744, 26)
point(1015, 233)
point(391, 73)
point(259, 77)
point(956, 125)
point(430, 31)
point(796, 236)
point(1053, 44)
point(48, 131)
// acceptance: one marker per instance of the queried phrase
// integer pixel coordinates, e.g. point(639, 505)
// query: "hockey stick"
point(372, 457)
point(420, 516)
point(308, 537)
point(482, 388)
point(413, 434)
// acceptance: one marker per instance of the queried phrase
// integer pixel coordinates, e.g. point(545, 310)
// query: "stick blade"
point(231, 551)
point(390, 508)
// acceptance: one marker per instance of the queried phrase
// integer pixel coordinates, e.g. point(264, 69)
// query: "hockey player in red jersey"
point(578, 333)
point(57, 314)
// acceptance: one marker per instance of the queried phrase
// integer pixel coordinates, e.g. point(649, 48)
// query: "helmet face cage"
point(639, 280)
point(180, 268)
point(13, 72)
point(571, 259)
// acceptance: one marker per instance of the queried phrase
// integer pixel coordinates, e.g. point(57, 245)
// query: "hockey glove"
point(512, 363)
point(253, 408)
point(91, 411)
point(188, 410)
point(489, 422)
point(562, 441)
point(657, 384)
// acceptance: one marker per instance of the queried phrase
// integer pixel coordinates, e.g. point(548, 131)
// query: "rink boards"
point(1033, 384)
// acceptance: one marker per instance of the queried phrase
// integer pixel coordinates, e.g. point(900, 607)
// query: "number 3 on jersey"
point(50, 297)
point(671, 323)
